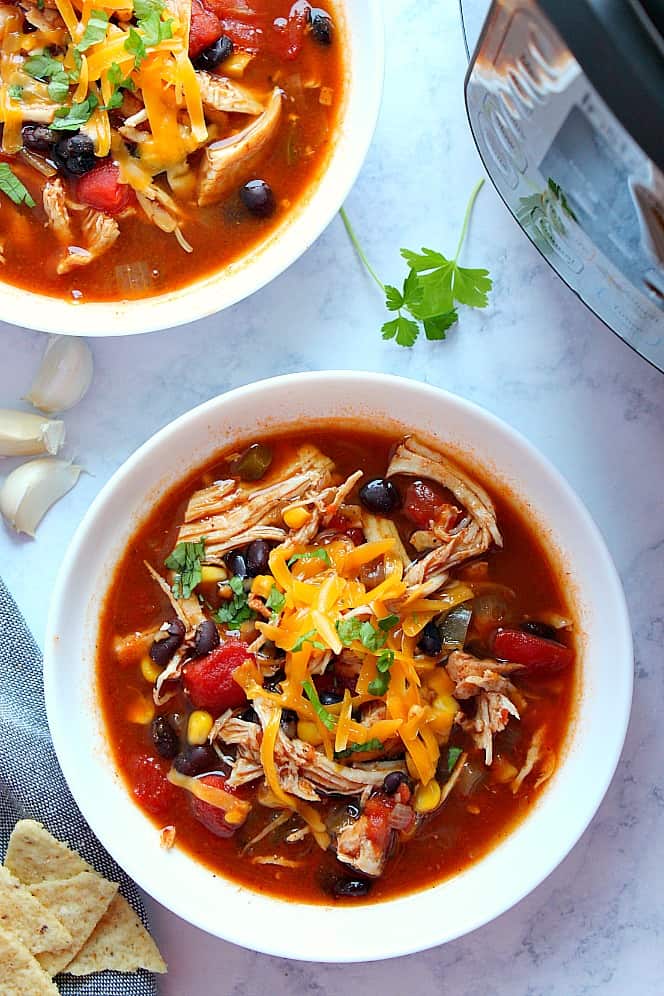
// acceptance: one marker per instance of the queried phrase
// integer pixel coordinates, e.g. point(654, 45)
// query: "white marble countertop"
point(537, 358)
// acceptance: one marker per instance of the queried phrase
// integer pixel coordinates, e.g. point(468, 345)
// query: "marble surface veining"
point(537, 358)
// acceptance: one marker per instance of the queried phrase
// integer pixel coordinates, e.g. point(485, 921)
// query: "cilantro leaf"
point(45, 67)
point(119, 81)
point(135, 46)
point(433, 285)
point(155, 30)
point(354, 629)
point(381, 682)
point(58, 88)
point(453, 755)
point(388, 623)
point(326, 718)
point(71, 118)
point(364, 748)
point(275, 602)
point(95, 30)
point(13, 188)
point(15, 91)
point(319, 554)
point(307, 638)
point(236, 610)
point(403, 330)
point(185, 560)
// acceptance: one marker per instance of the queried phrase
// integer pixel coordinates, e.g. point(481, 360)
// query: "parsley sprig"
point(432, 289)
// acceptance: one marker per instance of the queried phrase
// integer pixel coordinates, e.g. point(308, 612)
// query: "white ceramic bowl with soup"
point(512, 868)
point(362, 34)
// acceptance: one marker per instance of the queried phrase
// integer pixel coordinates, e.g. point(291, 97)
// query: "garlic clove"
point(29, 491)
point(26, 434)
point(64, 375)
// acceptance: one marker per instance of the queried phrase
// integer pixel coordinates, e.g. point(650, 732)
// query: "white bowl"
point(363, 32)
point(437, 914)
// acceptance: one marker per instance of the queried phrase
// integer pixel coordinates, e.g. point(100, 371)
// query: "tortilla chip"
point(119, 942)
point(23, 915)
point(20, 972)
point(79, 903)
point(34, 855)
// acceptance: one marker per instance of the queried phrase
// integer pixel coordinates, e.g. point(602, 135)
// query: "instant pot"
point(565, 101)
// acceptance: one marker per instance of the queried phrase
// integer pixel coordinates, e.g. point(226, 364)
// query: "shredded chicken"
point(186, 609)
point(485, 680)
point(532, 757)
point(376, 528)
point(100, 231)
point(225, 164)
point(303, 771)
point(55, 206)
point(223, 94)
point(356, 848)
point(469, 538)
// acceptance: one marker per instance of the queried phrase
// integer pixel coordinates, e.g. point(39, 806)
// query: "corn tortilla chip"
point(119, 942)
point(79, 903)
point(20, 972)
point(34, 855)
point(23, 915)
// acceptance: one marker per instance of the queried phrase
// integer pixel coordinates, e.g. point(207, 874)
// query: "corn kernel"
point(440, 682)
point(262, 585)
point(308, 731)
point(295, 518)
point(141, 711)
point(209, 574)
point(427, 797)
point(149, 670)
point(198, 727)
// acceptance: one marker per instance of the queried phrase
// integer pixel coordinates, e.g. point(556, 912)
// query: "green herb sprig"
point(186, 560)
point(237, 610)
point(432, 289)
point(326, 718)
point(319, 554)
point(13, 188)
point(381, 682)
point(364, 748)
point(309, 637)
point(354, 629)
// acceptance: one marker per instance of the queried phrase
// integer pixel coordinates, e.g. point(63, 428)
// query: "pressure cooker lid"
point(620, 45)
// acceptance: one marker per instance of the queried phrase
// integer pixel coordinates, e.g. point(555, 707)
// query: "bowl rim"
point(573, 829)
point(250, 273)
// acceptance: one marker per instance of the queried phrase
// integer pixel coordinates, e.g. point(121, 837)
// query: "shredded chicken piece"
point(258, 606)
point(532, 757)
point(356, 848)
point(100, 231)
point(303, 770)
point(226, 163)
point(472, 675)
point(223, 94)
point(454, 777)
point(188, 610)
point(470, 538)
point(492, 716)
point(55, 207)
point(229, 514)
point(376, 528)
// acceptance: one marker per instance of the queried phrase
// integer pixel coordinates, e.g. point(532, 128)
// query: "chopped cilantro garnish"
point(135, 46)
point(275, 602)
point(185, 560)
point(388, 623)
point(119, 81)
point(74, 116)
point(326, 718)
point(15, 91)
point(95, 30)
point(381, 682)
point(353, 629)
point(432, 289)
point(13, 188)
point(45, 67)
point(318, 554)
point(364, 748)
point(307, 638)
point(453, 755)
point(236, 611)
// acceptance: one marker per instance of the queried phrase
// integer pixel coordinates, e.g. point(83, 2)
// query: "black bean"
point(258, 554)
point(236, 564)
point(539, 629)
point(322, 27)
point(393, 781)
point(430, 642)
point(206, 638)
point(195, 760)
point(164, 737)
point(380, 496)
point(249, 716)
point(215, 53)
point(289, 723)
point(330, 697)
point(38, 138)
point(351, 888)
point(75, 154)
point(163, 649)
point(257, 197)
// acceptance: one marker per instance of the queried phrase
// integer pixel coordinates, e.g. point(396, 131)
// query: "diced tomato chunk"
point(538, 655)
point(151, 787)
point(209, 680)
point(422, 503)
point(101, 189)
point(250, 37)
point(213, 818)
point(377, 812)
point(205, 28)
point(287, 39)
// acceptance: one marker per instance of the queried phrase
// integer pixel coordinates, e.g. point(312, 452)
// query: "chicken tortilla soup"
point(149, 143)
point(334, 666)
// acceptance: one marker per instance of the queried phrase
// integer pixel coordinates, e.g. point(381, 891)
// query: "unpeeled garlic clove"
point(26, 434)
point(64, 375)
point(30, 490)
